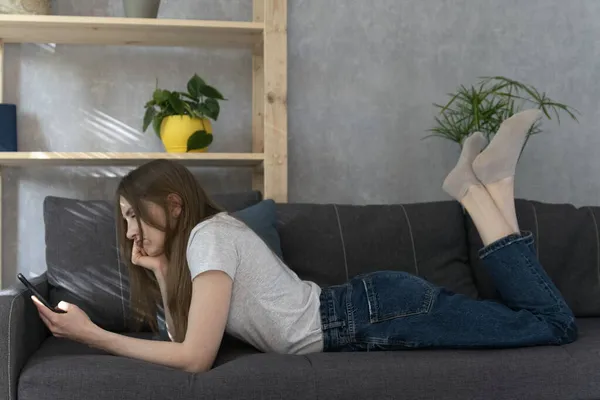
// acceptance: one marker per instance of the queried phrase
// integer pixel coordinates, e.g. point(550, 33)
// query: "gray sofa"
point(327, 244)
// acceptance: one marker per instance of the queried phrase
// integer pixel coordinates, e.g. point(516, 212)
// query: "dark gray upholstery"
point(544, 373)
point(65, 370)
point(21, 333)
point(328, 244)
point(82, 258)
point(567, 243)
point(82, 255)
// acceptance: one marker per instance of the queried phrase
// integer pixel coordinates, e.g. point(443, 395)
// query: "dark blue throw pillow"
point(262, 219)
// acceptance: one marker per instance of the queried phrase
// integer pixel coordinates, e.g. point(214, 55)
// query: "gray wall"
point(362, 77)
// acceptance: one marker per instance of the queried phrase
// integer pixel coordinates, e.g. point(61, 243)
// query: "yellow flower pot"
point(177, 129)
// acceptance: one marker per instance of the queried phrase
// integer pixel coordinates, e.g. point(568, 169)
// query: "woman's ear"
point(175, 205)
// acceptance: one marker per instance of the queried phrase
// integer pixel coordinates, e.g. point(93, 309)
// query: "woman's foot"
point(495, 166)
point(462, 177)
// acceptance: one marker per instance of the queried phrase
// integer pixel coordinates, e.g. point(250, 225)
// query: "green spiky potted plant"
point(483, 107)
point(182, 119)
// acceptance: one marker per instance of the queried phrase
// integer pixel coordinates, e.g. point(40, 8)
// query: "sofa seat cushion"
point(62, 369)
point(566, 372)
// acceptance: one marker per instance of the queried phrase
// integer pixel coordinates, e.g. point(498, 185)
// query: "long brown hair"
point(154, 182)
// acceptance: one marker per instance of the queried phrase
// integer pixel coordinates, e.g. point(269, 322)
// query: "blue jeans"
point(392, 310)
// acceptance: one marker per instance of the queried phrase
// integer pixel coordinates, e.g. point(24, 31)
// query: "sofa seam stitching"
point(412, 239)
point(597, 242)
point(537, 231)
point(337, 214)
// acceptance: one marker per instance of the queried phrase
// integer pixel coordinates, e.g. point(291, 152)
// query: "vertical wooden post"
point(1, 70)
point(1, 198)
point(258, 101)
point(275, 121)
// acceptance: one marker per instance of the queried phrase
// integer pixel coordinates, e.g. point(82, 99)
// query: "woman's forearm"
point(163, 291)
point(170, 354)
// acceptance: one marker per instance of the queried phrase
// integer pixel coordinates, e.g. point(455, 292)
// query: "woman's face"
point(154, 239)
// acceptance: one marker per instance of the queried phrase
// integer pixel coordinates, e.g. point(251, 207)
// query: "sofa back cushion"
point(566, 242)
point(329, 244)
point(82, 256)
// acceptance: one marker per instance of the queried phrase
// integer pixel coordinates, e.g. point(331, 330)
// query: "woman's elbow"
point(196, 367)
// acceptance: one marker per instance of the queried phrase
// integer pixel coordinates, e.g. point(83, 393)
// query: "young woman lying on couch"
point(213, 274)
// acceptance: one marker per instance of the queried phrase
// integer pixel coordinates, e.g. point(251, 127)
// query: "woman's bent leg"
point(402, 311)
point(395, 310)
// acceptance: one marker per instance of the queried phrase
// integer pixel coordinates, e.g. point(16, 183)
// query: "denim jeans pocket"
point(392, 294)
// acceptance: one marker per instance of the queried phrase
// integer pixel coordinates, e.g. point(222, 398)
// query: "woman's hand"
point(74, 324)
point(158, 264)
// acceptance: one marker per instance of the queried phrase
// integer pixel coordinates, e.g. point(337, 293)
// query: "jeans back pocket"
point(395, 294)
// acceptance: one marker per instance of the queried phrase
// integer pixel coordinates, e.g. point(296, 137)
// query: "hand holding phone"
point(37, 294)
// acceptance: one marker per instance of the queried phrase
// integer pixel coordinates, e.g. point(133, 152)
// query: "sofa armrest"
point(21, 333)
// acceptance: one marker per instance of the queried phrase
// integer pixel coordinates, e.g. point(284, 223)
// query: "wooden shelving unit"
point(57, 159)
point(266, 36)
point(128, 31)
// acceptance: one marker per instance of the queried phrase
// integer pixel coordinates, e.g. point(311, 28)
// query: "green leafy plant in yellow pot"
point(182, 119)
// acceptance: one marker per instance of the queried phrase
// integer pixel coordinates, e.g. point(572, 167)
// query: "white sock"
point(462, 177)
point(499, 159)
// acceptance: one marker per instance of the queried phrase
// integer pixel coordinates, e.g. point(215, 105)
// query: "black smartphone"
point(37, 294)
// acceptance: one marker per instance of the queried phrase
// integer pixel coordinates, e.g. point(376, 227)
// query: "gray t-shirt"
point(271, 307)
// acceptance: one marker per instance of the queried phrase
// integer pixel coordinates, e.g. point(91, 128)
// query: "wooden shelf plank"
point(57, 159)
point(128, 31)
